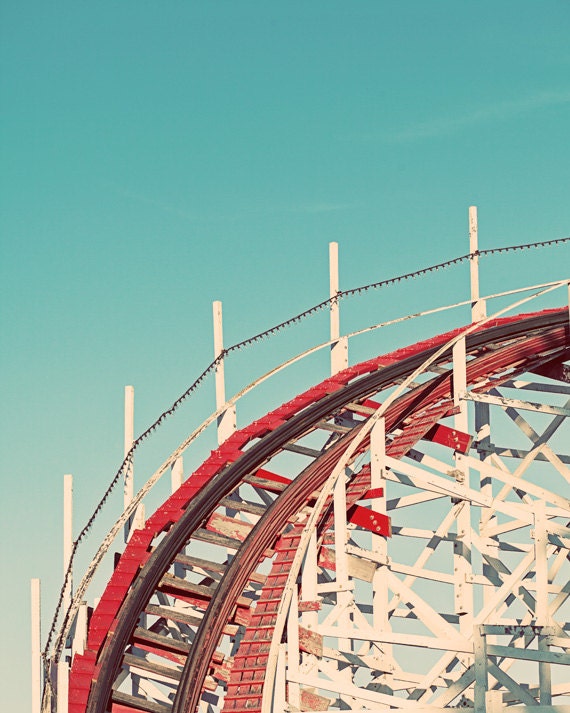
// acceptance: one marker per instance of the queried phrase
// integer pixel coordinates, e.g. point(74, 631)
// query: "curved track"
point(187, 619)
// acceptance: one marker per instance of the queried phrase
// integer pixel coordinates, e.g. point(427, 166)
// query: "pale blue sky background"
point(158, 156)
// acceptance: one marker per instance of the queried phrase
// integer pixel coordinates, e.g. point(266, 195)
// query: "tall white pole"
point(80, 636)
point(67, 536)
point(227, 419)
point(36, 646)
point(218, 348)
point(478, 309)
point(462, 547)
point(128, 491)
point(62, 667)
point(62, 687)
point(176, 474)
point(339, 346)
point(568, 300)
point(380, 591)
point(334, 287)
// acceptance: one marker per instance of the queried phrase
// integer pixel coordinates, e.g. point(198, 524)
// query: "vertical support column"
point(483, 437)
point(136, 521)
point(344, 596)
point(280, 688)
point(293, 652)
point(227, 419)
point(309, 619)
point(129, 436)
point(340, 532)
point(481, 677)
point(62, 687)
point(176, 474)
point(80, 636)
point(544, 674)
point(488, 516)
point(568, 302)
point(541, 559)
point(462, 544)
point(380, 599)
point(36, 645)
point(339, 346)
point(139, 518)
point(67, 537)
point(379, 544)
point(478, 309)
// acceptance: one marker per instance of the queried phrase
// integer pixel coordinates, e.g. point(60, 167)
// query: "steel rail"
point(209, 496)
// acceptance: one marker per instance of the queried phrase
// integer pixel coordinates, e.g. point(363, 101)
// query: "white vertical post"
point(176, 474)
point(380, 600)
point(128, 491)
point(67, 536)
point(309, 619)
point(344, 596)
point(379, 544)
point(339, 346)
point(134, 521)
point(478, 310)
point(480, 665)
point(62, 666)
point(62, 687)
point(138, 519)
point(280, 690)
point(544, 674)
point(293, 652)
point(488, 515)
point(80, 637)
point(541, 559)
point(309, 572)
point(227, 419)
point(340, 532)
point(36, 646)
point(463, 543)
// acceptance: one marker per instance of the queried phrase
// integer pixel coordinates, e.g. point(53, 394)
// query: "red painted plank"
point(450, 437)
point(372, 494)
point(370, 520)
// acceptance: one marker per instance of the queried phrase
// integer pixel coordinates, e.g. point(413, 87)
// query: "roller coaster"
point(395, 537)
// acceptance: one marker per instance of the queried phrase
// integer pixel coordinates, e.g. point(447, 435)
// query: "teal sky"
point(158, 156)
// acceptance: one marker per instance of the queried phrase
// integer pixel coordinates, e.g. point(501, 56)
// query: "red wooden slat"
point(370, 520)
point(450, 437)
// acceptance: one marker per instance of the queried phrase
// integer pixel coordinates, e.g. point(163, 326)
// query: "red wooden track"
point(191, 604)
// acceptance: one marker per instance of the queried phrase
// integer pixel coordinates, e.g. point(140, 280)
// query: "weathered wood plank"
point(229, 526)
point(243, 506)
point(310, 641)
point(152, 667)
point(172, 584)
point(134, 703)
point(213, 538)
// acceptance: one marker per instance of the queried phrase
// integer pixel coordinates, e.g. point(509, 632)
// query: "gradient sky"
point(158, 156)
